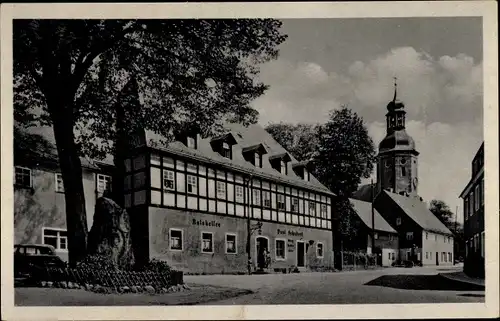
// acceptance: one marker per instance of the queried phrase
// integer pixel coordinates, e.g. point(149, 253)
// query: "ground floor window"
point(280, 249)
point(449, 257)
point(207, 240)
point(176, 239)
point(231, 243)
point(319, 249)
point(426, 255)
point(55, 237)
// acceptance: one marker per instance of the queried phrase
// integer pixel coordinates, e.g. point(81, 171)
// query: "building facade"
point(39, 204)
point(473, 198)
point(220, 205)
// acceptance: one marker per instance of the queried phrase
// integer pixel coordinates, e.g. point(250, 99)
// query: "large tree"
point(442, 211)
point(70, 74)
point(299, 139)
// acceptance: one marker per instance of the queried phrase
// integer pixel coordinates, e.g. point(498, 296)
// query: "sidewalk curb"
point(479, 286)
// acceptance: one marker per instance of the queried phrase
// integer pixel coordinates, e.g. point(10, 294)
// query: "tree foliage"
point(300, 139)
point(70, 74)
point(442, 211)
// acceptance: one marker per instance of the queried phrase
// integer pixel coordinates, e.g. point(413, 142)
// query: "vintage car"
point(30, 259)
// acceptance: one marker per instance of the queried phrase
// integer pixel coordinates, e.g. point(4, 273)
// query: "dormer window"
point(191, 142)
point(280, 162)
point(224, 145)
point(253, 154)
point(226, 150)
point(302, 170)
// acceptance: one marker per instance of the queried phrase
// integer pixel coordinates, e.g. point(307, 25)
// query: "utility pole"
point(455, 241)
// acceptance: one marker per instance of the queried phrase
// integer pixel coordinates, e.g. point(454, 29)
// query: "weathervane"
point(395, 87)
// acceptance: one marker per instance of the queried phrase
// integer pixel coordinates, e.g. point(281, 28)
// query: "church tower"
point(397, 157)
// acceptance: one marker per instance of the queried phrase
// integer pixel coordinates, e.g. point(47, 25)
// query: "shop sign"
point(289, 233)
point(206, 223)
point(290, 245)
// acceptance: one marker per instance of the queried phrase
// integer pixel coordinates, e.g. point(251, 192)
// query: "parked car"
point(29, 259)
point(405, 263)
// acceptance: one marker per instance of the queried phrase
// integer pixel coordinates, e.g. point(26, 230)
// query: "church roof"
point(364, 211)
point(417, 210)
point(244, 136)
point(364, 192)
point(398, 140)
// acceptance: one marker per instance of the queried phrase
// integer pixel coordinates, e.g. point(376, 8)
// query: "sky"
point(326, 63)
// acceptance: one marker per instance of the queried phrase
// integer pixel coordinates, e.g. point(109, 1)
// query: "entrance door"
point(301, 253)
point(437, 258)
point(261, 247)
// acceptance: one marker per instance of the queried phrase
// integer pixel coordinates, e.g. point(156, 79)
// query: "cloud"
point(443, 99)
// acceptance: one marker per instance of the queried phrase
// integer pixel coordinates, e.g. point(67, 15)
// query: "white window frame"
point(59, 186)
point(482, 191)
point(226, 150)
point(191, 142)
point(102, 177)
point(283, 167)
point(466, 207)
point(476, 198)
point(257, 160)
point(471, 204)
point(235, 243)
point(323, 211)
point(30, 175)
point(220, 192)
point(409, 236)
point(170, 239)
point(58, 237)
point(322, 249)
point(239, 191)
point(256, 197)
point(212, 242)
point(267, 203)
point(168, 175)
point(278, 202)
point(279, 258)
point(294, 204)
point(312, 209)
point(193, 183)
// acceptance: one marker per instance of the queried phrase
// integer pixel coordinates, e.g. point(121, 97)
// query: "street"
point(392, 285)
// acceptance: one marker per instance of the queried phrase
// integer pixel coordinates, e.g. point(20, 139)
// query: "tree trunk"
point(71, 170)
point(118, 157)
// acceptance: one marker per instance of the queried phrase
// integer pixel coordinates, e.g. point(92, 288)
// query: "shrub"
point(157, 266)
point(97, 263)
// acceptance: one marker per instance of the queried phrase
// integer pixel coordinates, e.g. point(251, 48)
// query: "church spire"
point(395, 89)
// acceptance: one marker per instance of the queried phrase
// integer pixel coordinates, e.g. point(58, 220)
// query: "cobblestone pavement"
point(392, 285)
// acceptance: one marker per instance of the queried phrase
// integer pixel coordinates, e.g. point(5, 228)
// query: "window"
point(239, 193)
point(191, 142)
point(476, 200)
point(226, 150)
point(280, 249)
point(426, 255)
point(267, 198)
point(476, 239)
point(306, 175)
point(283, 167)
point(256, 197)
point(323, 209)
point(281, 202)
point(398, 221)
point(176, 240)
point(466, 248)
point(482, 244)
point(103, 183)
point(426, 235)
point(312, 208)
point(295, 204)
point(471, 204)
point(391, 237)
point(319, 250)
point(22, 177)
point(449, 257)
point(375, 236)
point(466, 207)
point(168, 180)
point(207, 242)
point(409, 235)
point(55, 237)
point(258, 160)
point(221, 190)
point(403, 171)
point(482, 191)
point(59, 183)
point(191, 184)
point(230, 243)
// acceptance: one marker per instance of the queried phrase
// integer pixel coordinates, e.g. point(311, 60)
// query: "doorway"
point(301, 254)
point(437, 258)
point(261, 247)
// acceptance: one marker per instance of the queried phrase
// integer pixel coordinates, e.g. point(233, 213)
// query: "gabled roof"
point(284, 156)
point(419, 213)
point(255, 148)
point(245, 136)
point(364, 192)
point(364, 211)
